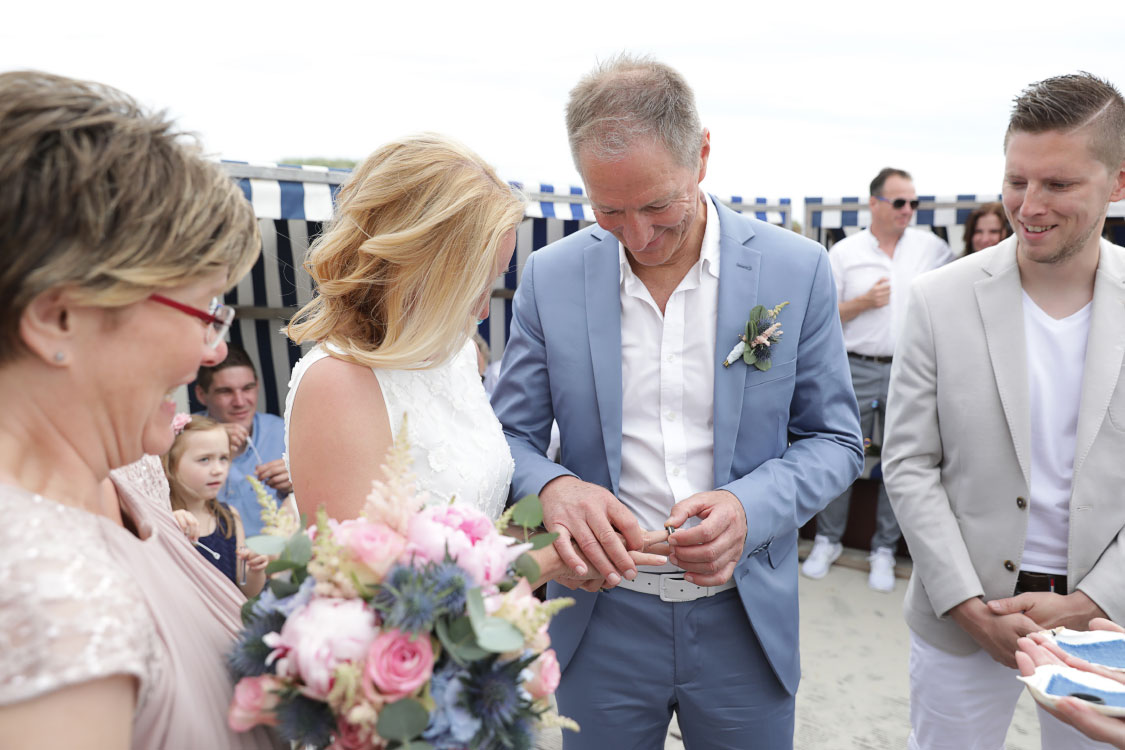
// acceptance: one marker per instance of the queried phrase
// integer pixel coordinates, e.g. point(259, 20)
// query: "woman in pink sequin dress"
point(116, 243)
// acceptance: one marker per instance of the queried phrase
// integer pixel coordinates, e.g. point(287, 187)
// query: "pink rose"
point(544, 676)
point(253, 703)
point(317, 638)
point(467, 535)
point(374, 548)
point(397, 665)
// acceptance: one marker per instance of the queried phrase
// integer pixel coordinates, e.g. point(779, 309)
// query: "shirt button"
point(671, 416)
point(1021, 503)
point(671, 357)
point(675, 471)
point(1009, 566)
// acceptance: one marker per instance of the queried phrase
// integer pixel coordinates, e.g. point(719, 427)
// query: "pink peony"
point(467, 535)
point(544, 676)
point(253, 703)
point(373, 547)
point(397, 665)
point(317, 638)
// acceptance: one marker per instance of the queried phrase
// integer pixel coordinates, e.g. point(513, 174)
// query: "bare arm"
point(256, 563)
point(339, 434)
point(877, 296)
point(96, 715)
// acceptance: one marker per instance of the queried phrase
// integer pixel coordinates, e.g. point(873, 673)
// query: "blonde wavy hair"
point(103, 197)
point(409, 252)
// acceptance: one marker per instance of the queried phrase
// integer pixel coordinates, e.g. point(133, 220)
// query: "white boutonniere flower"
point(763, 330)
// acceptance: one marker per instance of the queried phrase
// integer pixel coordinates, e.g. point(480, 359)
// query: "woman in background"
point(986, 227)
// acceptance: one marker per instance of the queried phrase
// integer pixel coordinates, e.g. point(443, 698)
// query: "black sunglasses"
point(898, 203)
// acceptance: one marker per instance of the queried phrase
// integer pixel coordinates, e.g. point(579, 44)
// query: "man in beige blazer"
point(1004, 456)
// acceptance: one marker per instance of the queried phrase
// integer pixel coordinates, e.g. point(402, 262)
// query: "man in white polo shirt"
point(873, 270)
point(1006, 425)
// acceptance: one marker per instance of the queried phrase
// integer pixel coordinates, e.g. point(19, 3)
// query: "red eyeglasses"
point(218, 319)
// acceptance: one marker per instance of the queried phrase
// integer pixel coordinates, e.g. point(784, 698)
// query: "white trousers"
point(967, 703)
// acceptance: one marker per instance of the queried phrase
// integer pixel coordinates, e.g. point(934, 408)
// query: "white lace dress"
point(456, 440)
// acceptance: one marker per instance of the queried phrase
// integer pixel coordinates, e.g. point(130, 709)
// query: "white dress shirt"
point(668, 386)
point(857, 263)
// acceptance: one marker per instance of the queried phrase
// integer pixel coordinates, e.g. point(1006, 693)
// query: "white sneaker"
point(820, 559)
point(882, 575)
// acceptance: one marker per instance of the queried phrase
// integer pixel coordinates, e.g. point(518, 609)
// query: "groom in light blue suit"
point(619, 334)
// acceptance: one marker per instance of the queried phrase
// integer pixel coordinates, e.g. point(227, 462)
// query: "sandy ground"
point(854, 692)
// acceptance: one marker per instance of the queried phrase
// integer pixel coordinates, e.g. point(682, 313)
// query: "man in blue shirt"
point(229, 393)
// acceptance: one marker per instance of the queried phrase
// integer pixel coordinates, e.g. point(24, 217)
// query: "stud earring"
point(59, 357)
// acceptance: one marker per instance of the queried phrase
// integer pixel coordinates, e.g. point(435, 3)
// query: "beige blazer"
point(958, 441)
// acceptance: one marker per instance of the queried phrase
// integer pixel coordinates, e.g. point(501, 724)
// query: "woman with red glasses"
point(116, 243)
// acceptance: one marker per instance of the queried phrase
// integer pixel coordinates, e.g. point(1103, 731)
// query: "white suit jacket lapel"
point(1104, 349)
point(1000, 299)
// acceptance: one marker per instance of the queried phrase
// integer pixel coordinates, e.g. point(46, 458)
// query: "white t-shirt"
point(668, 378)
point(1056, 359)
point(857, 263)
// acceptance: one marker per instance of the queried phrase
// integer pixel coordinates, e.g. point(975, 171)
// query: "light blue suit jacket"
point(787, 440)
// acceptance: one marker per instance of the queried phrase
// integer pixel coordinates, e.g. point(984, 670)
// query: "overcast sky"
point(801, 98)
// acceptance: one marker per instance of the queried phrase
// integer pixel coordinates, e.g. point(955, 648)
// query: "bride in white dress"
point(420, 232)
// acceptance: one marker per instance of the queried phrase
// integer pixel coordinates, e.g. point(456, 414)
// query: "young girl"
point(197, 467)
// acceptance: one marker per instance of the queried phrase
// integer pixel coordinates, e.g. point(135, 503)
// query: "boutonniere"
point(762, 331)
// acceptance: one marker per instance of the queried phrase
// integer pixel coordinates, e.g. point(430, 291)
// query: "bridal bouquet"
point(409, 627)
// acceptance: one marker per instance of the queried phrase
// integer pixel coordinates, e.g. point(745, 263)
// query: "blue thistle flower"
point(451, 583)
point(413, 611)
point(411, 599)
point(304, 721)
point(492, 693)
point(248, 657)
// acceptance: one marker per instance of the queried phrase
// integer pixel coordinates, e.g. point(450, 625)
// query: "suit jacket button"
point(1009, 566)
point(1021, 503)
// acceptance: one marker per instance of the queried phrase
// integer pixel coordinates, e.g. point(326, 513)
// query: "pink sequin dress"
point(82, 598)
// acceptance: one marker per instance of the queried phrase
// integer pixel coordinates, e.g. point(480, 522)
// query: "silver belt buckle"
point(684, 596)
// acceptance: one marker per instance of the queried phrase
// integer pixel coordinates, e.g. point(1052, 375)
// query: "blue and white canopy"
point(292, 204)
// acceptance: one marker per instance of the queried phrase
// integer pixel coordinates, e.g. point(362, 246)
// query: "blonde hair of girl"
point(177, 491)
point(408, 254)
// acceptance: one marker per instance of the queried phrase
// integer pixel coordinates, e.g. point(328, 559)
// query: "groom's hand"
point(590, 517)
point(710, 551)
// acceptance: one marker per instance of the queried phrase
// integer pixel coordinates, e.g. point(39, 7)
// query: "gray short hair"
point(627, 97)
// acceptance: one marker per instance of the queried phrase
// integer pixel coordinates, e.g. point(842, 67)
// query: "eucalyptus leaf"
point(527, 568)
point(748, 356)
point(282, 588)
point(298, 549)
point(764, 364)
point(539, 541)
point(276, 566)
point(247, 610)
point(474, 606)
point(264, 544)
point(528, 512)
point(459, 640)
point(756, 314)
point(402, 720)
point(498, 636)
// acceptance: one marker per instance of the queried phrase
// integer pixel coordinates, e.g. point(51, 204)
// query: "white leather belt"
point(671, 587)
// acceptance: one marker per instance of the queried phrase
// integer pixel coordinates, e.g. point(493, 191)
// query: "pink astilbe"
point(763, 338)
